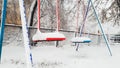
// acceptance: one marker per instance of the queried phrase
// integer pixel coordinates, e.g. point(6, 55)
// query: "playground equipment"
point(99, 23)
point(3, 17)
point(25, 35)
point(54, 36)
point(104, 36)
point(81, 39)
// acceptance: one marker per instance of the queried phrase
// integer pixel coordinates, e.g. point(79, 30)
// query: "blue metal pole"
point(104, 36)
point(3, 17)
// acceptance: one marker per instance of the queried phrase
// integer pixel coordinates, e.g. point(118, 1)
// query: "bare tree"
point(117, 17)
point(67, 14)
point(118, 3)
point(48, 13)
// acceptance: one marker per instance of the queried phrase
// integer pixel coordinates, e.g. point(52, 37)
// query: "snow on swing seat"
point(81, 40)
point(54, 36)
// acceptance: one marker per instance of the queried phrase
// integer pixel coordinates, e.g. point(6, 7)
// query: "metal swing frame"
point(100, 25)
point(80, 39)
point(54, 36)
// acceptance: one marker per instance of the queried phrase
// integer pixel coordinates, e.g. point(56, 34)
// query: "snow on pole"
point(104, 36)
point(25, 35)
point(3, 17)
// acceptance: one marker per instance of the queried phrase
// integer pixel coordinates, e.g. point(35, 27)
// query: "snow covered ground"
point(48, 56)
point(45, 56)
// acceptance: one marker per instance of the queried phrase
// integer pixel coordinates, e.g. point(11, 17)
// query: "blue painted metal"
point(3, 17)
point(104, 36)
point(86, 41)
point(83, 41)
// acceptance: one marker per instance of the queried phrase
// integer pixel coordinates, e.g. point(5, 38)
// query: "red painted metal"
point(58, 24)
point(38, 14)
point(57, 14)
point(55, 39)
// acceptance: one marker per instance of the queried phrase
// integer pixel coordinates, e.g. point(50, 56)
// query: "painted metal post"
point(82, 26)
point(25, 35)
point(85, 17)
point(3, 17)
point(104, 36)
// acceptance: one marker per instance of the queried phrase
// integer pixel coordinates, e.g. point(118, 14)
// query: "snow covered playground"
point(27, 47)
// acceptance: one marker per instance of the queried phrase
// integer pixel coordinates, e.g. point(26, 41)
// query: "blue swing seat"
point(81, 40)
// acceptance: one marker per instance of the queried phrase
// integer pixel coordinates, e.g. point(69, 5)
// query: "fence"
point(13, 36)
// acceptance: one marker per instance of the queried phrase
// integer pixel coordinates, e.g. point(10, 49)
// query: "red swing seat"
point(54, 36)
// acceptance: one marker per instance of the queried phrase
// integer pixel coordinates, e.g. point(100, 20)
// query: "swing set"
point(86, 39)
point(39, 36)
point(53, 36)
point(80, 38)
